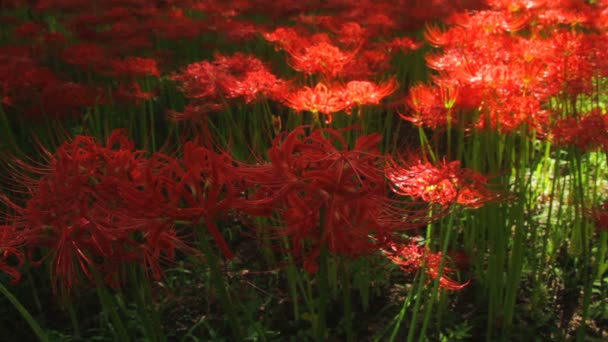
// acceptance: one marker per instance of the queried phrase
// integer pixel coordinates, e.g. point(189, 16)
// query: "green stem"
point(26, 315)
point(221, 286)
point(348, 319)
point(429, 308)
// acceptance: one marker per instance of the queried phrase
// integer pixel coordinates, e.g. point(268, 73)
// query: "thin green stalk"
point(109, 307)
point(32, 283)
point(73, 318)
point(221, 286)
point(436, 289)
point(346, 295)
point(416, 310)
point(585, 250)
point(516, 220)
point(323, 294)
point(152, 332)
point(25, 314)
point(404, 307)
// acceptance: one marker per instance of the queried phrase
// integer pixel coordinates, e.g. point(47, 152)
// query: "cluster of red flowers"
point(208, 84)
point(447, 184)
point(329, 195)
point(599, 216)
point(76, 211)
point(127, 41)
point(328, 100)
point(509, 79)
point(589, 132)
point(95, 206)
point(415, 256)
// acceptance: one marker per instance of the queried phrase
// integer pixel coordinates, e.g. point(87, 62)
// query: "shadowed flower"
point(446, 184)
point(320, 58)
point(135, 67)
point(415, 256)
point(599, 216)
point(11, 257)
point(587, 133)
point(236, 76)
point(431, 105)
point(78, 215)
point(364, 92)
point(327, 195)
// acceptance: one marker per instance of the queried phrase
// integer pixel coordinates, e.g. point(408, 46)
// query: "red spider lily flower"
point(29, 30)
point(131, 92)
point(87, 56)
point(199, 80)
point(366, 64)
point(350, 34)
point(431, 105)
point(404, 44)
point(79, 216)
point(588, 133)
point(320, 58)
point(199, 187)
point(283, 37)
point(447, 184)
point(60, 99)
point(135, 67)
point(364, 92)
point(412, 257)
point(320, 99)
point(10, 242)
point(326, 195)
point(599, 216)
point(175, 25)
point(21, 76)
point(255, 84)
point(229, 76)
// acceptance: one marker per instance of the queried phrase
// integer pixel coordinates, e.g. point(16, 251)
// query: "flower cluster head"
point(79, 213)
point(11, 256)
point(589, 132)
point(237, 76)
point(599, 216)
point(446, 184)
point(328, 100)
point(327, 195)
point(414, 256)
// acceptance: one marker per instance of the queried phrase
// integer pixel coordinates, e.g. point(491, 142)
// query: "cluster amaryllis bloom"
point(344, 52)
point(237, 76)
point(599, 217)
point(328, 100)
point(588, 132)
point(445, 184)
point(510, 78)
point(431, 106)
point(131, 92)
point(322, 99)
point(61, 99)
point(87, 56)
point(327, 195)
point(75, 213)
point(320, 58)
point(21, 76)
point(414, 256)
point(365, 92)
point(132, 67)
point(282, 37)
point(11, 256)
